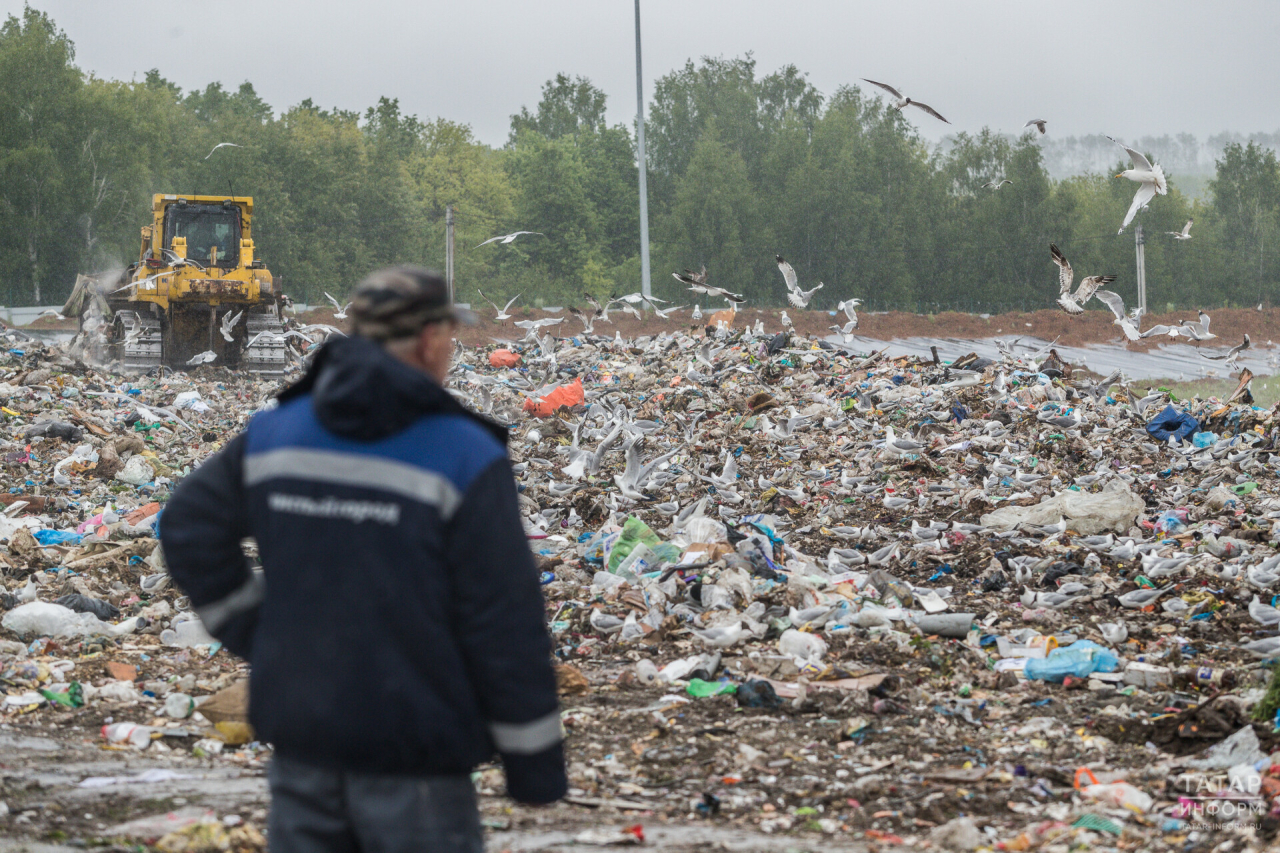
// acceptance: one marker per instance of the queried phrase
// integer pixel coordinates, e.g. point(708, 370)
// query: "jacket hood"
point(360, 391)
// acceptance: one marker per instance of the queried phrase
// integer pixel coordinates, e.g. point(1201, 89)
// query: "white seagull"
point(797, 297)
point(1128, 323)
point(1151, 178)
point(502, 312)
point(1074, 303)
point(848, 306)
point(509, 238)
point(229, 321)
point(901, 102)
point(1233, 354)
point(339, 311)
point(995, 185)
point(1038, 123)
point(222, 145)
point(1184, 234)
point(1198, 331)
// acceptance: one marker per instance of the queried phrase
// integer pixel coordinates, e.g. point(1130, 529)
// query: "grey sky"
point(1127, 69)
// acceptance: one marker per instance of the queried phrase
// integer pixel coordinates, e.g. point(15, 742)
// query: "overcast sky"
point(1140, 67)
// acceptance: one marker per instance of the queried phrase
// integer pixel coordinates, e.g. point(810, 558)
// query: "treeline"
point(742, 166)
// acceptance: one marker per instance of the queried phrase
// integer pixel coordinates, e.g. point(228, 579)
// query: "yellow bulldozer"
point(197, 293)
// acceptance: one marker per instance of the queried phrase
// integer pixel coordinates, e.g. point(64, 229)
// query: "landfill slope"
point(802, 597)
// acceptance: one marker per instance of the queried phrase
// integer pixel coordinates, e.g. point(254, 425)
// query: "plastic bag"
point(799, 644)
point(1172, 423)
point(42, 619)
point(190, 400)
point(503, 358)
point(1078, 659)
point(636, 534)
point(1115, 508)
point(137, 471)
point(563, 395)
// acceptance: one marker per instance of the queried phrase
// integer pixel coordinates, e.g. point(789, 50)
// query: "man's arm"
point(201, 531)
point(502, 622)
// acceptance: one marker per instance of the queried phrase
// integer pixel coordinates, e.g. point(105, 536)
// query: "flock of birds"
point(1130, 321)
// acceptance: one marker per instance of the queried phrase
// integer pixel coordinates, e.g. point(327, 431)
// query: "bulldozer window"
point(205, 226)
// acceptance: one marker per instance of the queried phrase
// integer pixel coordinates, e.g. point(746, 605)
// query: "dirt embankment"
point(1092, 327)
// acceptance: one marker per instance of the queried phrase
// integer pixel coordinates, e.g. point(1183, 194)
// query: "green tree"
point(41, 135)
point(568, 107)
point(712, 220)
point(1246, 200)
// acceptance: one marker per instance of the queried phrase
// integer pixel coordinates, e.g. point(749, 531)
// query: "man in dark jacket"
point(396, 632)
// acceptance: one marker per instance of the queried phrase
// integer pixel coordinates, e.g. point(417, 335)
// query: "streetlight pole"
point(644, 168)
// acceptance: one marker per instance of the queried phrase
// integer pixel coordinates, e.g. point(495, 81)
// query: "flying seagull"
point(202, 358)
point(902, 102)
point(508, 238)
point(1198, 331)
point(222, 145)
point(229, 321)
point(698, 284)
point(690, 277)
point(1039, 124)
point(588, 320)
point(995, 185)
point(1128, 323)
point(1074, 303)
point(339, 311)
point(848, 306)
point(1151, 178)
point(797, 297)
point(1171, 331)
point(1184, 234)
point(1233, 354)
point(502, 312)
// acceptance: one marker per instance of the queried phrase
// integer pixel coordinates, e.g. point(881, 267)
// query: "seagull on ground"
point(1114, 633)
point(900, 103)
point(1263, 614)
point(1151, 178)
point(1074, 303)
point(502, 312)
point(222, 145)
point(1184, 234)
point(509, 238)
point(1038, 123)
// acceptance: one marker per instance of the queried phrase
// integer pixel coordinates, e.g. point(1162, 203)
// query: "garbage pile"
point(983, 604)
point(793, 589)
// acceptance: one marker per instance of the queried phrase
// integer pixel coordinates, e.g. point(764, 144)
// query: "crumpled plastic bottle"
point(1078, 659)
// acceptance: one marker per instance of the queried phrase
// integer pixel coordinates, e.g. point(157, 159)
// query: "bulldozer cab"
point(212, 232)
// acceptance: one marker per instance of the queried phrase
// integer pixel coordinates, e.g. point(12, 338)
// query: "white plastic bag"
point(42, 619)
point(136, 472)
point(800, 644)
point(1115, 508)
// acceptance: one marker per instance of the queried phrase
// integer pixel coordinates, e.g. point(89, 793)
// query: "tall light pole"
point(644, 168)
